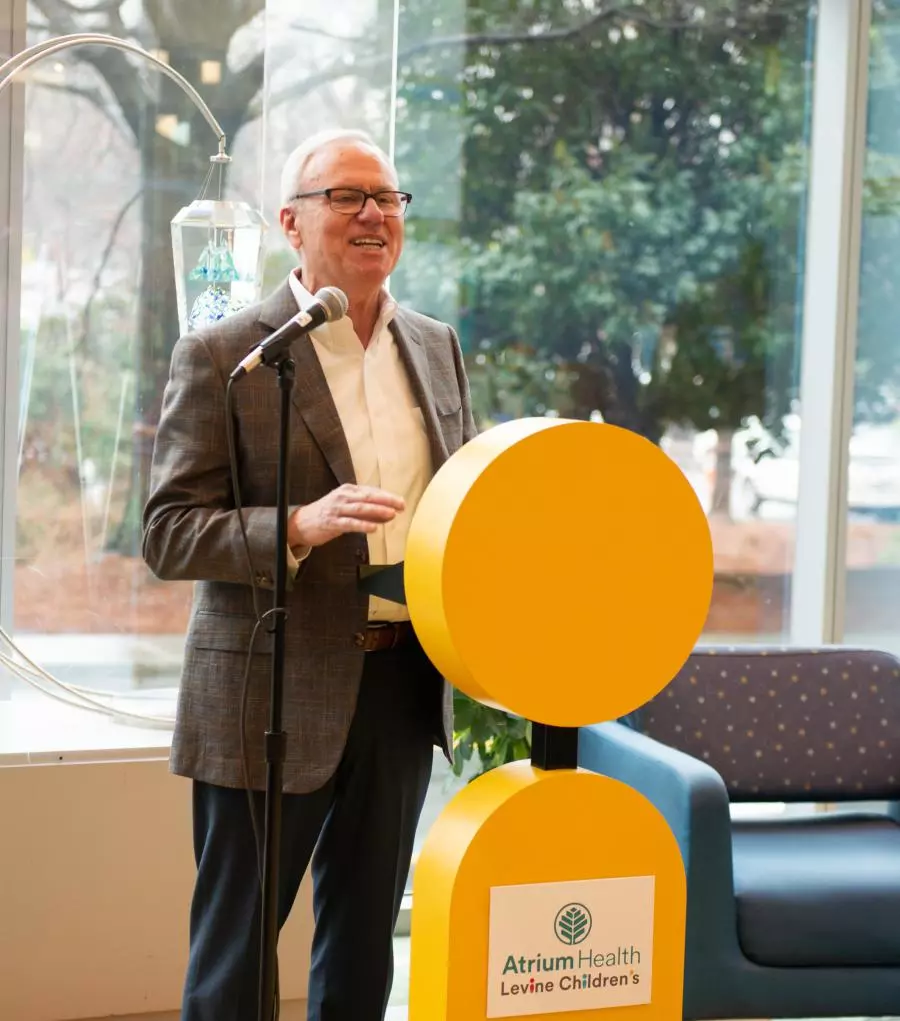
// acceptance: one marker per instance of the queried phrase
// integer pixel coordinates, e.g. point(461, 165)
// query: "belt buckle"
point(377, 632)
point(381, 629)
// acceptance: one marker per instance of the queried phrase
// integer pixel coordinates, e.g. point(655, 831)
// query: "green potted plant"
point(485, 737)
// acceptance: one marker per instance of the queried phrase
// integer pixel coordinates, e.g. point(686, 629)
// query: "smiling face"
point(356, 253)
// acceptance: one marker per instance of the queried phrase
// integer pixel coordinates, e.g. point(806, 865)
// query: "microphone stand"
point(275, 735)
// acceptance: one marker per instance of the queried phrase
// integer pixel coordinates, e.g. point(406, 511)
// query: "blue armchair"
point(793, 916)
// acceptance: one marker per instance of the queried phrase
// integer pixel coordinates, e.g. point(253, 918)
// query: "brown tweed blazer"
point(191, 532)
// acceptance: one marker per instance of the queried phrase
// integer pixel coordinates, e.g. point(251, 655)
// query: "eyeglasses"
point(351, 201)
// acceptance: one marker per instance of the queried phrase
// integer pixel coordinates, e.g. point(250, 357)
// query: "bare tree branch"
point(112, 64)
point(626, 12)
point(93, 96)
point(312, 30)
point(201, 26)
point(340, 68)
point(98, 274)
point(623, 13)
point(101, 7)
point(242, 89)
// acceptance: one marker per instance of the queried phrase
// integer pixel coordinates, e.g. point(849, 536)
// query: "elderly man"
point(381, 400)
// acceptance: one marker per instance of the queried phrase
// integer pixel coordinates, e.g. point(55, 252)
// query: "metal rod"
point(276, 738)
point(32, 54)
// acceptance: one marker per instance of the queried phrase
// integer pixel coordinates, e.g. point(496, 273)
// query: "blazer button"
point(359, 639)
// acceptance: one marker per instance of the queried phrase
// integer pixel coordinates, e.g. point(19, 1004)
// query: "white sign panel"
point(557, 947)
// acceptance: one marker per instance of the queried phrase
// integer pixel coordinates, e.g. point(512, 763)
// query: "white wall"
point(96, 872)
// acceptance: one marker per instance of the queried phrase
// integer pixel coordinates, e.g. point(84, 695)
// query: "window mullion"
point(829, 318)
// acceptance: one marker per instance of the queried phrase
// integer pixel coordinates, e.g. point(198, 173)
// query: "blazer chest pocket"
point(449, 413)
point(226, 632)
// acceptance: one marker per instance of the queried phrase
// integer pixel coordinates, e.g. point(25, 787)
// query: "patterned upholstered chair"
point(795, 914)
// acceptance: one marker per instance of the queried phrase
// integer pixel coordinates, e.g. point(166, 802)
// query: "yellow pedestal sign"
point(561, 571)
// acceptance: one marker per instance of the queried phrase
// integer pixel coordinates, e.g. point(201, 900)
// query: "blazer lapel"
point(311, 397)
point(415, 360)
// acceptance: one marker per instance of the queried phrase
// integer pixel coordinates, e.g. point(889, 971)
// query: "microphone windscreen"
point(334, 301)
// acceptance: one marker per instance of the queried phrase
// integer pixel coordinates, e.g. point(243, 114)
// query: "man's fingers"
point(369, 511)
point(370, 494)
point(355, 525)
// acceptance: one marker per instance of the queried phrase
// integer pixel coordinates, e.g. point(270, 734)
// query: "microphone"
point(328, 305)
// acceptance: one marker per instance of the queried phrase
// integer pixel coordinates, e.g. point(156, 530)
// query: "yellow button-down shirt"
point(383, 425)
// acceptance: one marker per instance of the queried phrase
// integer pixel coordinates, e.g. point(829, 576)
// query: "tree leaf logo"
point(573, 924)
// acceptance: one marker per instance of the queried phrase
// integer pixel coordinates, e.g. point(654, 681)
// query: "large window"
point(611, 205)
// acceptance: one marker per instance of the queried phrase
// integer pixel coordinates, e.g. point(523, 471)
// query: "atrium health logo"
point(573, 924)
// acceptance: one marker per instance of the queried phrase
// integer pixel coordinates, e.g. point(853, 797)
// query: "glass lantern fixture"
point(218, 251)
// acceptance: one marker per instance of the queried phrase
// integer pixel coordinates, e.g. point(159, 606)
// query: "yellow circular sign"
point(559, 570)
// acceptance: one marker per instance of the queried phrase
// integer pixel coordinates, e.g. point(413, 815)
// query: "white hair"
point(296, 163)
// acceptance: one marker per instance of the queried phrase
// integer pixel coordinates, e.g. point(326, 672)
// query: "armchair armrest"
point(692, 798)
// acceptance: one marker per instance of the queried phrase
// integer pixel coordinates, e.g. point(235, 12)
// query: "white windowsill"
point(141, 670)
point(37, 730)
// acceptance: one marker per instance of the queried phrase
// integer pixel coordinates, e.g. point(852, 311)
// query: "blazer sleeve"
point(191, 530)
point(470, 431)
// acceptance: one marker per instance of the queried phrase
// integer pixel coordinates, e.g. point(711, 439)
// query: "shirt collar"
point(304, 299)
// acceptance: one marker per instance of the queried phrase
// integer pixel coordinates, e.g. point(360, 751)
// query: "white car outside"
point(767, 470)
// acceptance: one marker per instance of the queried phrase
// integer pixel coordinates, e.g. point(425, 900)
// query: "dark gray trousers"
point(358, 830)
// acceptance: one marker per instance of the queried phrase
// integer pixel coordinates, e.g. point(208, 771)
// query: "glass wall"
point(873, 452)
point(610, 210)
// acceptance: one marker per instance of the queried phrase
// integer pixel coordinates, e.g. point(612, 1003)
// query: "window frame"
point(830, 313)
point(13, 17)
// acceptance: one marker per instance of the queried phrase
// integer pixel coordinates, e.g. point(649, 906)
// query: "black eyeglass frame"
point(327, 192)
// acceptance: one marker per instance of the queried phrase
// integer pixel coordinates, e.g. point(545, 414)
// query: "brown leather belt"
point(389, 635)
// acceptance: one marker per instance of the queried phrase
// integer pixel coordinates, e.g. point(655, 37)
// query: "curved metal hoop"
point(32, 54)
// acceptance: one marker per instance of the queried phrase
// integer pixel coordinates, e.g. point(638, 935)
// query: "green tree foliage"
point(632, 198)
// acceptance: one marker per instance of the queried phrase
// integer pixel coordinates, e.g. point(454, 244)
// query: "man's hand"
point(345, 509)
